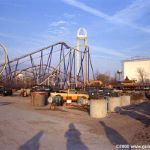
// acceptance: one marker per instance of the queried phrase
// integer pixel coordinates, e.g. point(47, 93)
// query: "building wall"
point(130, 68)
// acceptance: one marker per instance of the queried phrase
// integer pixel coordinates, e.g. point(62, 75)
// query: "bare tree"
point(113, 80)
point(106, 79)
point(103, 77)
point(142, 75)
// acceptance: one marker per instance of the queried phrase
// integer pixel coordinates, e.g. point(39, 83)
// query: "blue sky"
point(117, 29)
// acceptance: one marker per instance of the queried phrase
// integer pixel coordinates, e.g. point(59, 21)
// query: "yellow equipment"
point(69, 94)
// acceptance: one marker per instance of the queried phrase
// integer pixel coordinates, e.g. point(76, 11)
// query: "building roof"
point(137, 59)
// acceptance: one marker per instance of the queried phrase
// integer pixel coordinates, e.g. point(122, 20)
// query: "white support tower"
point(82, 47)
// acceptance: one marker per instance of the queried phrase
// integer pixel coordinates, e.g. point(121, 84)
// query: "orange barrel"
point(32, 98)
point(39, 98)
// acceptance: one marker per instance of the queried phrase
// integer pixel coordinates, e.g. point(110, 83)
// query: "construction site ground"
point(23, 127)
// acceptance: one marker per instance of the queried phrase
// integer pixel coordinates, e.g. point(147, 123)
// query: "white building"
point(132, 67)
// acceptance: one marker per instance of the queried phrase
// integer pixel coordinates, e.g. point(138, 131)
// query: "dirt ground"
point(23, 127)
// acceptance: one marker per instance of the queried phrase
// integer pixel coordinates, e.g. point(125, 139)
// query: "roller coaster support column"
point(82, 37)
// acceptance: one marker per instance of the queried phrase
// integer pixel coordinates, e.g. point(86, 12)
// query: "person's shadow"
point(114, 137)
point(74, 141)
point(33, 143)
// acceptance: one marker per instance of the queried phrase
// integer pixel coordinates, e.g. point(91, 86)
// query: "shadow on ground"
point(74, 141)
point(113, 136)
point(33, 143)
point(138, 112)
point(142, 108)
point(5, 103)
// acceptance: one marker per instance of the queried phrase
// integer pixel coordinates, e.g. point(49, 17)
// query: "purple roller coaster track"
point(53, 65)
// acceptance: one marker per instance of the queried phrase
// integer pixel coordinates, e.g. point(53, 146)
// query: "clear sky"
point(117, 29)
